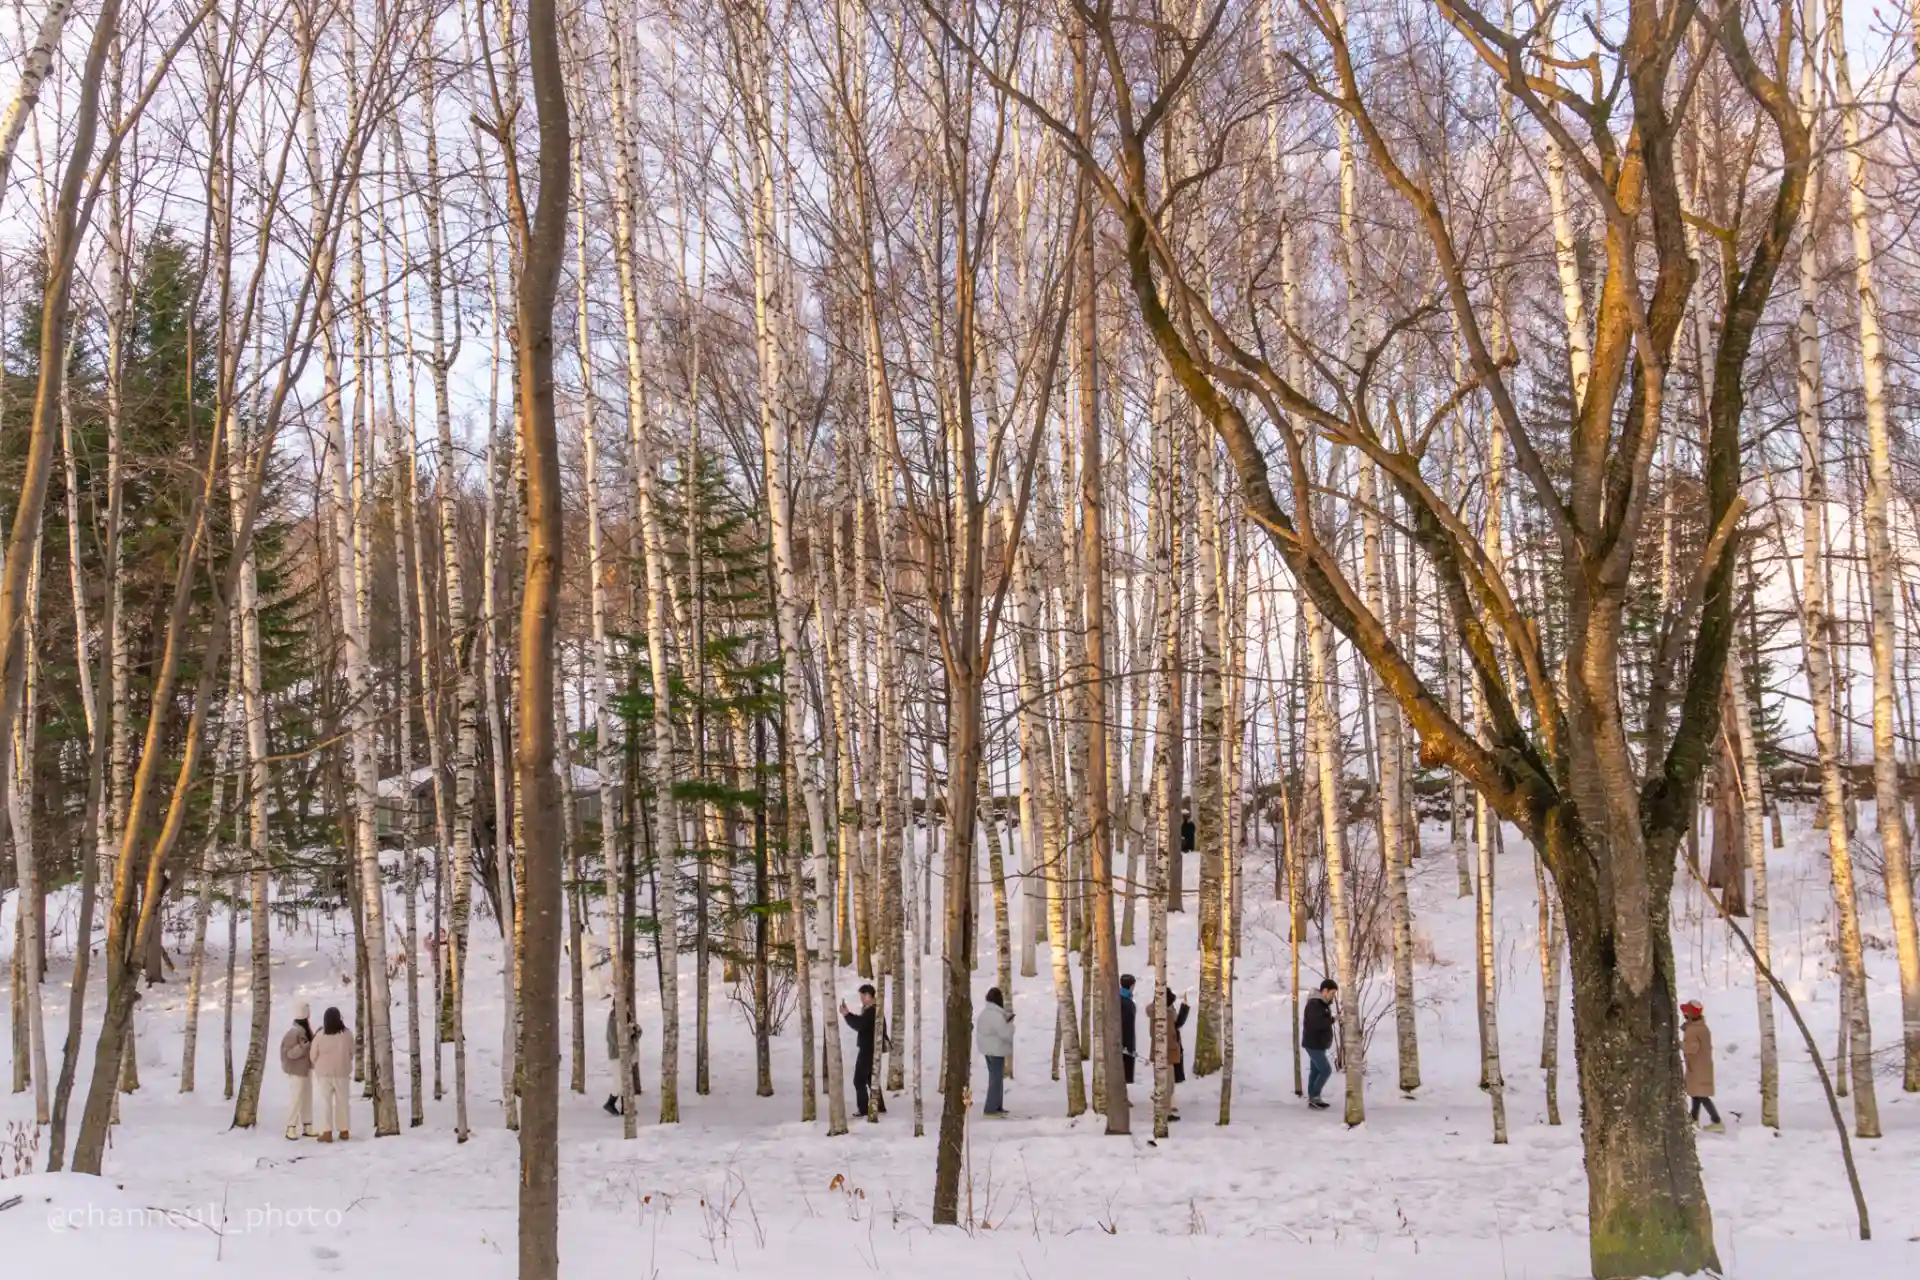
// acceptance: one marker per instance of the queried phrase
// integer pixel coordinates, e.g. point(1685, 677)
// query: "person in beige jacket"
point(299, 1069)
point(332, 1055)
point(1696, 1047)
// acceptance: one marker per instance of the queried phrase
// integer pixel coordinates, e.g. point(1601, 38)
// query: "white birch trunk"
point(1752, 805)
point(1856, 1026)
point(203, 903)
point(1209, 783)
point(20, 784)
point(1046, 836)
point(1882, 569)
point(1392, 829)
point(34, 66)
point(460, 631)
point(666, 821)
point(1565, 258)
point(1492, 1077)
point(348, 556)
point(607, 757)
point(506, 825)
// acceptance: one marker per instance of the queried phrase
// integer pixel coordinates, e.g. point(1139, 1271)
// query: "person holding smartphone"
point(865, 1024)
point(994, 1030)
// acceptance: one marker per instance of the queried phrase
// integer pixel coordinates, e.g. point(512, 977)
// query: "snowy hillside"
point(741, 1187)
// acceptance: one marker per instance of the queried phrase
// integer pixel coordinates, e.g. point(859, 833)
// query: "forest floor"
point(741, 1186)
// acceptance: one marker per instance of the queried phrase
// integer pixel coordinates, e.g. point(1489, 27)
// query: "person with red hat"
point(1696, 1047)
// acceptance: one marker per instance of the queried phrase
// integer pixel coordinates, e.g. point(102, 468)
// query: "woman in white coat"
point(994, 1030)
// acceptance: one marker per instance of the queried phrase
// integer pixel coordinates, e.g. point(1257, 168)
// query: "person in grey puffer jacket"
point(299, 1070)
point(994, 1030)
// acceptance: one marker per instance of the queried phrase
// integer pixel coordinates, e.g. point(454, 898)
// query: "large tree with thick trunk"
point(1557, 756)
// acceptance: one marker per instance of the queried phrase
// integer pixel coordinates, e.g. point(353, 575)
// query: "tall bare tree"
point(1568, 776)
point(540, 239)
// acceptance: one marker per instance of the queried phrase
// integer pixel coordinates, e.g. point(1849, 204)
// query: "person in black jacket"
point(864, 1023)
point(1126, 1025)
point(1316, 1037)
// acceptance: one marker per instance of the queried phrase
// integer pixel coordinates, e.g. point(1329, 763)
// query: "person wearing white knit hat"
point(295, 1061)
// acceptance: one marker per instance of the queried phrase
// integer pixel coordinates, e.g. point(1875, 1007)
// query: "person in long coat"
point(1696, 1047)
point(1178, 1011)
point(332, 1054)
point(1176, 1048)
point(294, 1061)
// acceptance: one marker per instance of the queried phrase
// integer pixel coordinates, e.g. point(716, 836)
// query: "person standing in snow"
point(1696, 1046)
point(1175, 1048)
point(1316, 1037)
point(332, 1055)
point(994, 1030)
point(157, 961)
point(613, 1058)
point(299, 1070)
point(1126, 1025)
point(864, 1023)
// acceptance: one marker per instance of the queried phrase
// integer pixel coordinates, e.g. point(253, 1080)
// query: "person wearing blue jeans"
point(994, 1031)
point(1316, 1037)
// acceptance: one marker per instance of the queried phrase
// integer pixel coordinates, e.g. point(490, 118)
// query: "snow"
point(740, 1186)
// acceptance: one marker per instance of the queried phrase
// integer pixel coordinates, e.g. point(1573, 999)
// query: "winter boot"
point(293, 1134)
point(306, 1131)
point(613, 1105)
point(1715, 1127)
point(343, 1135)
point(327, 1137)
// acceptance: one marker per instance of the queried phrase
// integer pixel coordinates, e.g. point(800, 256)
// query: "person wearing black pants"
point(864, 1023)
point(1696, 1048)
point(1126, 1025)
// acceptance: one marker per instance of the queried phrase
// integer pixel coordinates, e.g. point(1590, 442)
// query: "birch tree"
point(34, 67)
point(1815, 633)
point(1881, 568)
point(666, 824)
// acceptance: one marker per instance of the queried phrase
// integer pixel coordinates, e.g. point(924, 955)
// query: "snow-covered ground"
point(741, 1186)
